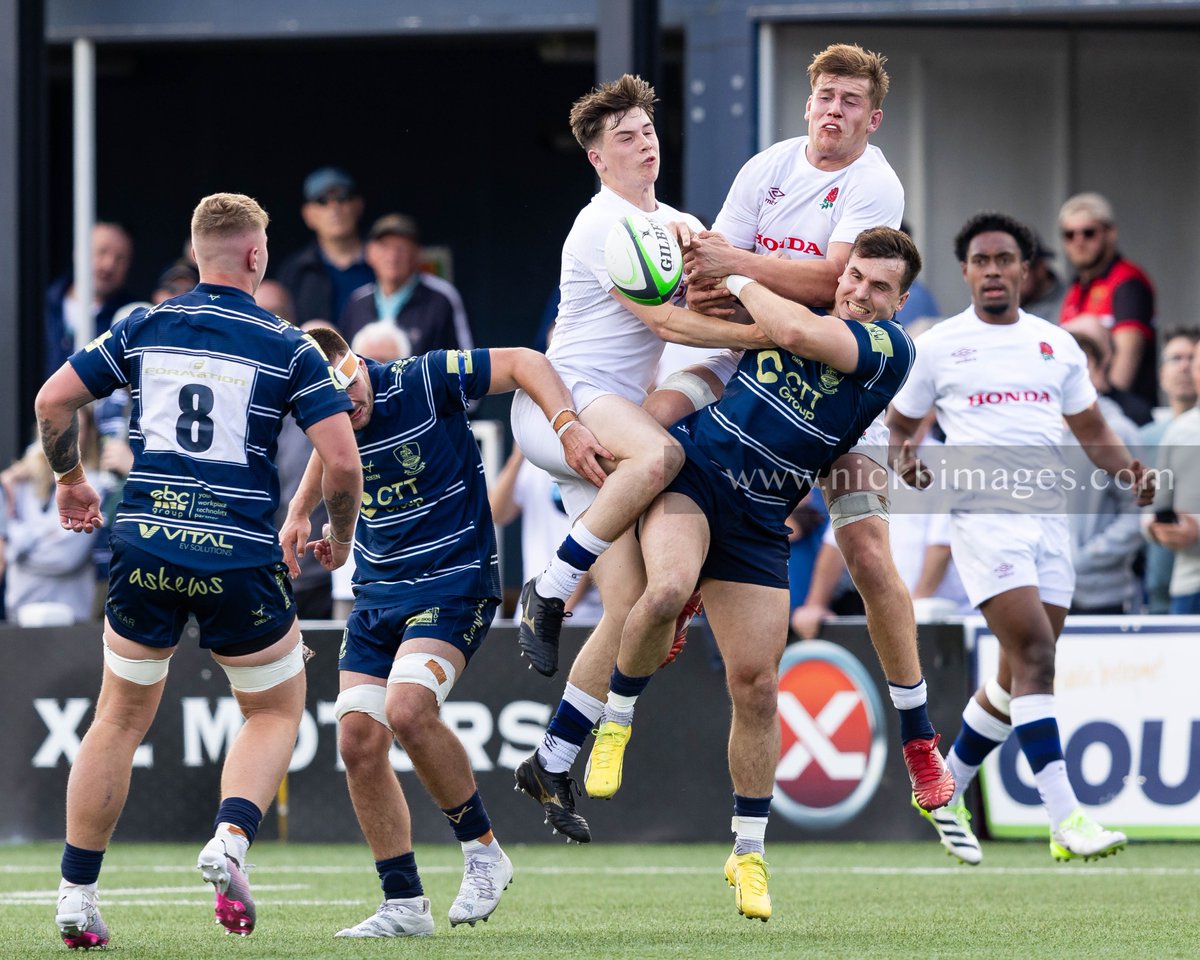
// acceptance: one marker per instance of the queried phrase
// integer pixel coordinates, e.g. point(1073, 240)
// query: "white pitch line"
point(152, 891)
point(107, 902)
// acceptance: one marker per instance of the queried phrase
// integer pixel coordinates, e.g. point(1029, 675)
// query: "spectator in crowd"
point(322, 276)
point(112, 254)
point(274, 297)
point(427, 308)
point(50, 574)
point(1111, 289)
point(1097, 345)
point(1176, 384)
point(1042, 291)
point(177, 279)
point(1105, 523)
point(1176, 523)
point(529, 492)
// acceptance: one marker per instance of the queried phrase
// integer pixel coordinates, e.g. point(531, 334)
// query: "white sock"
point(906, 698)
point(480, 849)
point(750, 834)
point(89, 888)
point(1055, 790)
point(557, 755)
point(236, 842)
point(986, 725)
point(560, 578)
point(619, 709)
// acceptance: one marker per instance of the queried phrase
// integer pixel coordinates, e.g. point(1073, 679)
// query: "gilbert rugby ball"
point(643, 260)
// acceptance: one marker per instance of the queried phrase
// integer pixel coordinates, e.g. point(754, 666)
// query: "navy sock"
point(751, 806)
point(469, 820)
point(399, 878)
point(79, 866)
point(569, 724)
point(1040, 742)
point(625, 686)
point(572, 553)
point(242, 814)
point(972, 746)
point(915, 725)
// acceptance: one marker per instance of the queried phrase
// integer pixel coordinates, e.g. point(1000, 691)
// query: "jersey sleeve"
point(738, 219)
point(885, 355)
point(919, 393)
point(458, 377)
point(1133, 307)
point(102, 365)
point(1077, 391)
point(874, 200)
point(313, 394)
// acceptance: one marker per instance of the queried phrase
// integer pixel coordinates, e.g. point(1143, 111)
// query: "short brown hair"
point(228, 214)
point(609, 102)
point(851, 60)
point(332, 343)
point(884, 243)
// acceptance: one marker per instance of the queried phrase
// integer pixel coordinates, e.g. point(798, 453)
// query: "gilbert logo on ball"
point(833, 744)
point(643, 260)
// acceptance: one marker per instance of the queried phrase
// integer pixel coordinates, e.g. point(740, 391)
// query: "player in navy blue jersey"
point(212, 376)
point(426, 587)
point(785, 416)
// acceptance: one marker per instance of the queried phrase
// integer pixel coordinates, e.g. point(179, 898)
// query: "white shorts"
point(542, 448)
point(873, 444)
point(995, 553)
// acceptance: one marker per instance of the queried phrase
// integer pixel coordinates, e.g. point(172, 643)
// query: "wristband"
point(566, 426)
point(735, 283)
point(330, 538)
point(72, 476)
point(562, 418)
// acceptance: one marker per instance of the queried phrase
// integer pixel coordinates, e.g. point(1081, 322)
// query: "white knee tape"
point(851, 507)
point(426, 670)
point(143, 672)
point(691, 386)
point(266, 675)
point(365, 698)
point(999, 698)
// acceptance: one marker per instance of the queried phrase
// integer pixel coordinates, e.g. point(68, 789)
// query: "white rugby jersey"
point(781, 202)
point(597, 340)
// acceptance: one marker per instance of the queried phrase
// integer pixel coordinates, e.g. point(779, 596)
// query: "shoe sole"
point(73, 930)
point(1062, 854)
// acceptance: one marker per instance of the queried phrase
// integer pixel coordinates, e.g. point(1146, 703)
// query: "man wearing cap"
point(426, 308)
point(1109, 288)
point(322, 276)
point(1042, 290)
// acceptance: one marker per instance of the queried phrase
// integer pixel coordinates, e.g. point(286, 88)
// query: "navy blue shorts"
point(373, 636)
point(238, 611)
point(741, 548)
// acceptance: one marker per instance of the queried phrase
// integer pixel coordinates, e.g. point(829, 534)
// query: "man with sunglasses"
point(322, 276)
point(1112, 290)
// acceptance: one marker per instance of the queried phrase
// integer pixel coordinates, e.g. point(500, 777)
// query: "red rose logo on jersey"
point(833, 736)
point(1047, 350)
point(830, 197)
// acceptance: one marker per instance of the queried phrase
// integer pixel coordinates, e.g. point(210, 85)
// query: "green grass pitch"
point(887, 901)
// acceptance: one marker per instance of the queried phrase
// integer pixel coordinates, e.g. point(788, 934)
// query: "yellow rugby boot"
point(747, 874)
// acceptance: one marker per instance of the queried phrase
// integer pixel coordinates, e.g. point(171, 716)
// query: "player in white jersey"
point(788, 222)
point(1004, 380)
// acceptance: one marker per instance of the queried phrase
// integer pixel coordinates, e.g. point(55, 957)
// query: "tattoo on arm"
point(60, 448)
point(343, 512)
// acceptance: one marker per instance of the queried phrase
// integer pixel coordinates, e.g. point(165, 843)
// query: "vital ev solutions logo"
point(833, 729)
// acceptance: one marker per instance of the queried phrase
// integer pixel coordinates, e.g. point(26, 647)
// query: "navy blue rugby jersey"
point(784, 418)
point(425, 531)
point(211, 377)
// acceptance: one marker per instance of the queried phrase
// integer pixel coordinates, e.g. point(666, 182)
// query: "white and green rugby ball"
point(643, 260)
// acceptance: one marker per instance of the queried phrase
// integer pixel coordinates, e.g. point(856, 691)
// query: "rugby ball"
point(643, 260)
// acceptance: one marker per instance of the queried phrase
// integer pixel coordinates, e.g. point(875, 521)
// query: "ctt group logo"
point(833, 745)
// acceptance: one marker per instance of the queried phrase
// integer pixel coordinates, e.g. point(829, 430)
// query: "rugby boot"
point(395, 918)
point(953, 826)
point(602, 776)
point(554, 792)
point(693, 608)
point(747, 874)
point(485, 878)
point(234, 907)
point(78, 917)
point(1079, 837)
point(539, 628)
point(932, 781)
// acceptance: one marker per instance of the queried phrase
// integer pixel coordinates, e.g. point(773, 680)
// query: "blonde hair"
point(609, 103)
point(1094, 205)
point(227, 215)
point(851, 60)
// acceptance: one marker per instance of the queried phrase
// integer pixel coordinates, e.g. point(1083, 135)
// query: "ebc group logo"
point(833, 736)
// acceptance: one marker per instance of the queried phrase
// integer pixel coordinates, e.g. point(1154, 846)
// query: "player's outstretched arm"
point(56, 408)
point(680, 325)
point(341, 485)
point(812, 281)
point(514, 367)
point(797, 329)
point(1108, 451)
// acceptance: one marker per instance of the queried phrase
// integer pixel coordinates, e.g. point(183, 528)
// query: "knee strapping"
point(145, 673)
point(266, 675)
point(998, 697)
point(365, 698)
point(691, 386)
point(852, 507)
point(426, 670)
